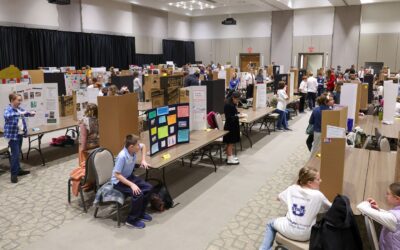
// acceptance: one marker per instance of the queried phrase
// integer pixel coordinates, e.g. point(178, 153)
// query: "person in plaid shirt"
point(14, 129)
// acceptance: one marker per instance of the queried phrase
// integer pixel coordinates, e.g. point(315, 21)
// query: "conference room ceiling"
point(244, 6)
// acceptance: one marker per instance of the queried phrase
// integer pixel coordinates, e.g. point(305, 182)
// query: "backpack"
point(160, 199)
point(211, 120)
point(61, 141)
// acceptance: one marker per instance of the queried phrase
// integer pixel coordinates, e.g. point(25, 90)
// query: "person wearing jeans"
point(269, 236)
point(312, 86)
point(14, 129)
point(281, 106)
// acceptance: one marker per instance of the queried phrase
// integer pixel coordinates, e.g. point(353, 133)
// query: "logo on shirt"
point(298, 211)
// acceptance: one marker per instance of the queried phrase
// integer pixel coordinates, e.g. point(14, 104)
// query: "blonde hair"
point(112, 90)
point(306, 174)
point(91, 110)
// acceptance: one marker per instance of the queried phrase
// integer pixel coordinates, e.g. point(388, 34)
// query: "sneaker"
point(14, 179)
point(279, 129)
point(233, 161)
point(146, 217)
point(23, 172)
point(135, 223)
point(288, 129)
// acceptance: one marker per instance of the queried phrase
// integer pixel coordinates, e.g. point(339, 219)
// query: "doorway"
point(311, 62)
point(249, 59)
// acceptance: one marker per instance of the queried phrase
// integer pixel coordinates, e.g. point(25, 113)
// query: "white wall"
point(313, 22)
point(32, 13)
point(248, 25)
point(179, 27)
point(380, 18)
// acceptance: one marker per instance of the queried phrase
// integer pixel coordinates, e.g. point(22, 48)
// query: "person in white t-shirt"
point(304, 201)
point(303, 93)
point(312, 88)
point(282, 98)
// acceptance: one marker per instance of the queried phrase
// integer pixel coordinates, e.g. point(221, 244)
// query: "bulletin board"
point(73, 82)
point(41, 98)
point(168, 126)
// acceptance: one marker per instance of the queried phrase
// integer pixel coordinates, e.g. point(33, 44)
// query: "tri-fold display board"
point(168, 126)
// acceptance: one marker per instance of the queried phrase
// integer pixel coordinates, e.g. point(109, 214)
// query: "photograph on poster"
point(32, 95)
point(171, 140)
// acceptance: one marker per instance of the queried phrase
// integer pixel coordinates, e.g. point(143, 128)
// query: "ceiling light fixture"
point(191, 5)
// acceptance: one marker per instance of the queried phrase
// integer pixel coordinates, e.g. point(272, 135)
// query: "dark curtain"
point(142, 59)
point(180, 52)
point(33, 48)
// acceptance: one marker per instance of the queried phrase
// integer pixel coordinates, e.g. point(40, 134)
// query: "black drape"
point(180, 52)
point(142, 59)
point(33, 48)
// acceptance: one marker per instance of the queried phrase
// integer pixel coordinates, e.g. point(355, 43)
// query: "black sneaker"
point(23, 172)
point(14, 179)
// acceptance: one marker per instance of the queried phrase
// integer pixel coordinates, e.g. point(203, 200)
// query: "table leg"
point(246, 132)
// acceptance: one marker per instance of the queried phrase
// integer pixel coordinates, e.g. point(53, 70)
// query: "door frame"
point(307, 54)
point(249, 54)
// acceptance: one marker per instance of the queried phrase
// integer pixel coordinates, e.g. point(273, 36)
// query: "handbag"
point(310, 129)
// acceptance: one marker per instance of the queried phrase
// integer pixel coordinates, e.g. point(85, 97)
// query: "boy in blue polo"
point(126, 182)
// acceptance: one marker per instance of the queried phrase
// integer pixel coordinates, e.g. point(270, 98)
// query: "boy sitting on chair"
point(126, 182)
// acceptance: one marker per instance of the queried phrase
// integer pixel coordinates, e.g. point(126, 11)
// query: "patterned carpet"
point(246, 229)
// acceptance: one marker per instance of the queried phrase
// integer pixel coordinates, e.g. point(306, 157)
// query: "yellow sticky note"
point(166, 156)
point(208, 129)
point(171, 119)
point(154, 131)
point(319, 155)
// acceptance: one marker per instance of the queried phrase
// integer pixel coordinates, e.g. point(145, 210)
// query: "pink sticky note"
point(183, 111)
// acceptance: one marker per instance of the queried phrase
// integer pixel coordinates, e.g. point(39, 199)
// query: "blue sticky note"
point(163, 110)
point(183, 135)
point(162, 119)
point(154, 148)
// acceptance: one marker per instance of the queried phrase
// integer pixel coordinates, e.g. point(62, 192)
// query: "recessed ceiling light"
point(192, 5)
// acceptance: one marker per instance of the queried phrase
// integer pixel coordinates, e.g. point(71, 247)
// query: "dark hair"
point(197, 74)
point(13, 96)
point(91, 110)
point(232, 94)
point(306, 174)
point(323, 99)
point(281, 84)
point(131, 140)
point(135, 74)
point(395, 188)
point(94, 79)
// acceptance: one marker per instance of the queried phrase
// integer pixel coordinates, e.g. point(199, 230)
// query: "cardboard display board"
point(118, 117)
point(215, 95)
point(291, 84)
point(150, 82)
point(390, 91)
point(66, 105)
point(57, 78)
point(348, 97)
point(168, 126)
point(171, 85)
point(364, 97)
point(198, 107)
point(83, 97)
point(184, 95)
point(40, 98)
point(157, 98)
point(10, 73)
point(332, 153)
point(73, 82)
point(37, 76)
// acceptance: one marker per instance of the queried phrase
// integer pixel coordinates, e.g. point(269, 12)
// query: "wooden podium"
point(118, 117)
point(332, 153)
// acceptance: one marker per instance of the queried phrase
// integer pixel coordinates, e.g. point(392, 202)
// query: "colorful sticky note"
point(166, 156)
point(183, 135)
point(152, 114)
point(163, 144)
point(162, 132)
point(171, 130)
point(162, 119)
point(171, 140)
point(154, 148)
point(171, 119)
point(183, 111)
point(163, 110)
point(154, 131)
point(182, 124)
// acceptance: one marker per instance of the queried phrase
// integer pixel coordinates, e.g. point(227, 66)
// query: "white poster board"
point(291, 84)
point(40, 98)
point(261, 99)
point(348, 97)
point(198, 107)
point(390, 91)
point(73, 82)
point(222, 74)
point(83, 98)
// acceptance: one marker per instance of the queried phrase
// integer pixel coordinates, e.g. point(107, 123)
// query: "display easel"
point(332, 153)
point(118, 117)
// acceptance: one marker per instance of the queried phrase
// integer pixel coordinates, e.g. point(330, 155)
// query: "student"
point(126, 182)
point(312, 87)
point(360, 74)
point(330, 77)
point(303, 93)
point(112, 90)
point(316, 120)
point(231, 125)
point(282, 97)
point(390, 220)
point(14, 129)
point(338, 87)
point(260, 77)
point(192, 80)
point(304, 201)
point(321, 81)
point(137, 85)
point(234, 82)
